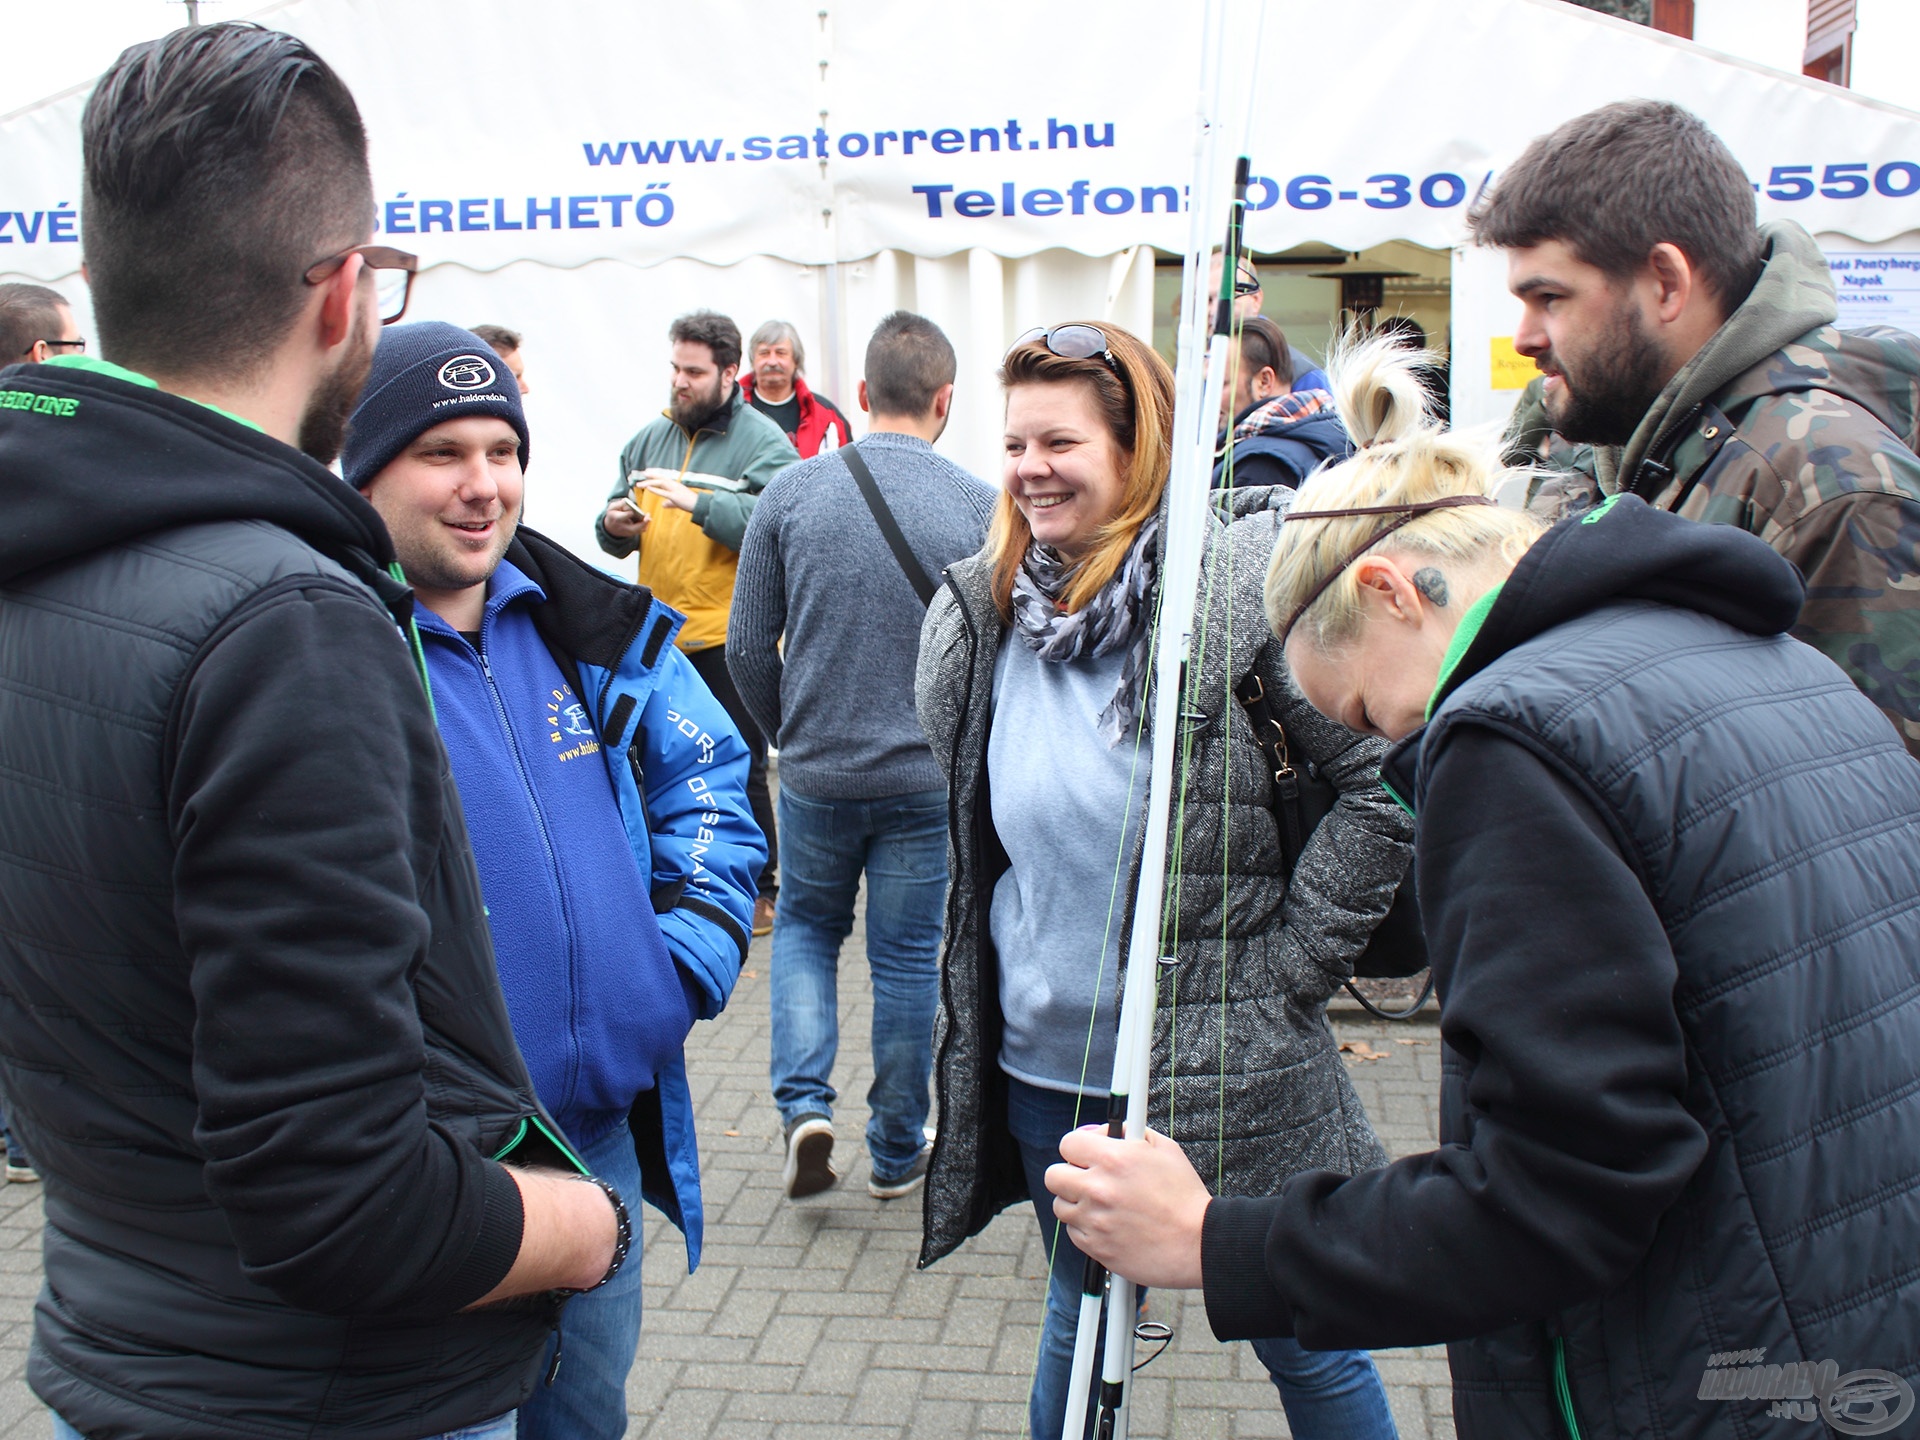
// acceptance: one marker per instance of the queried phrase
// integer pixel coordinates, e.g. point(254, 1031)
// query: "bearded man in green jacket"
point(1696, 353)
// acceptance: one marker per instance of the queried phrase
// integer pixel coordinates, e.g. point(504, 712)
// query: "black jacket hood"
point(1627, 550)
point(88, 461)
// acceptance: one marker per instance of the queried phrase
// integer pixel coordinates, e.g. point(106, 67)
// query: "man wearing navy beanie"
point(605, 790)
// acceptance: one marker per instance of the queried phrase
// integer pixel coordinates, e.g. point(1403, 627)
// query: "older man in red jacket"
point(812, 422)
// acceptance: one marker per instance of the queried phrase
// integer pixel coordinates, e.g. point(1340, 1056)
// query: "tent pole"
point(830, 303)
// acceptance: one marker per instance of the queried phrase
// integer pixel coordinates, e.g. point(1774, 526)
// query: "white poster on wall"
point(1876, 287)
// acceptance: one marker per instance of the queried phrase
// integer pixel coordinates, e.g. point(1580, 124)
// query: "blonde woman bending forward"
point(1669, 866)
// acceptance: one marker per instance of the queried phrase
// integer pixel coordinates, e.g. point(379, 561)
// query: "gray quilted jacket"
point(1273, 1086)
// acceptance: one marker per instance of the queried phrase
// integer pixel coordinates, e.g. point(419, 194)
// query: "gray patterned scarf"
point(1116, 617)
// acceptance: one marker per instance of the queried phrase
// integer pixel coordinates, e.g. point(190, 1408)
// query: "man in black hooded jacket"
point(249, 1023)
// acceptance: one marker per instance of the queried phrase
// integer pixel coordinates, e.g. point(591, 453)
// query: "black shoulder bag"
point(889, 527)
point(1301, 800)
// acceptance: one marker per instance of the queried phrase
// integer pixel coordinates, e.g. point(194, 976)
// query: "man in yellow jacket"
point(688, 484)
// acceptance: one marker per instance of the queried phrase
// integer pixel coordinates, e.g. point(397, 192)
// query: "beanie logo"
point(466, 372)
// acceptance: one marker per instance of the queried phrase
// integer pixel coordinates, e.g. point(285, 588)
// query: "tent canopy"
point(730, 129)
point(584, 172)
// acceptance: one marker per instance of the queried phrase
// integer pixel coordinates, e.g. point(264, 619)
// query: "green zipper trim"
point(1563, 1392)
point(1463, 638)
point(553, 1138)
point(1397, 797)
point(518, 1135)
point(414, 646)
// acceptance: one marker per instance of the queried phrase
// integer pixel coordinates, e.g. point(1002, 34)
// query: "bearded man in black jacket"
point(249, 1022)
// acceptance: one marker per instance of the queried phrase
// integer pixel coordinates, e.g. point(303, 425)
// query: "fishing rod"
point(1196, 411)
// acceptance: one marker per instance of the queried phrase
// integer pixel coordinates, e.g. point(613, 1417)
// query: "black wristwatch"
point(623, 1241)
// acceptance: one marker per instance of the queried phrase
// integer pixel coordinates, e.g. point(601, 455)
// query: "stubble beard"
point(323, 428)
point(433, 563)
point(1606, 394)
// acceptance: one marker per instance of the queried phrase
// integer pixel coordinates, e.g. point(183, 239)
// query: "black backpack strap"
point(889, 527)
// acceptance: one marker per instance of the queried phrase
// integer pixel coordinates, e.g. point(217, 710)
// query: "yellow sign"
point(1511, 369)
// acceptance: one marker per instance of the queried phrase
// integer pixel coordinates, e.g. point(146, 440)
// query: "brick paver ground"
point(808, 1321)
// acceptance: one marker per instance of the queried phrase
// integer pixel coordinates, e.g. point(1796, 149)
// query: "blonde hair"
point(1137, 406)
point(1403, 459)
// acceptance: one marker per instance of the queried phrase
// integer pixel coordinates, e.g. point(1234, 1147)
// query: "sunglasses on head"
point(1073, 342)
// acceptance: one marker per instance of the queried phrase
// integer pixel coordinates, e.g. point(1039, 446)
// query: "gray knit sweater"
point(815, 566)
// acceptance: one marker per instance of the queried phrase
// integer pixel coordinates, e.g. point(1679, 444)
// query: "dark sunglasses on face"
point(79, 345)
point(393, 272)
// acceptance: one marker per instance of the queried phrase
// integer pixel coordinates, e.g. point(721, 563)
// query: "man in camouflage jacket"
point(1775, 421)
point(1803, 434)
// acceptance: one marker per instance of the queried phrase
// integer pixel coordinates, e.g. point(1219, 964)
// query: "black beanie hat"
point(424, 374)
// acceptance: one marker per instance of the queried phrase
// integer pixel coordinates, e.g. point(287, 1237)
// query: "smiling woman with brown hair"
point(1033, 669)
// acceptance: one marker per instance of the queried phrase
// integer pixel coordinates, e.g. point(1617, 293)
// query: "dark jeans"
point(900, 843)
point(711, 664)
point(599, 1331)
point(1327, 1394)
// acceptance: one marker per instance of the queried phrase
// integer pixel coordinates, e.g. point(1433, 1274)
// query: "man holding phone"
point(688, 484)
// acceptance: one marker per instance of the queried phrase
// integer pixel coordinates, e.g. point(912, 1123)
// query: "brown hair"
point(909, 361)
point(502, 341)
point(220, 163)
point(1616, 182)
point(1263, 346)
point(1139, 416)
point(28, 315)
point(711, 329)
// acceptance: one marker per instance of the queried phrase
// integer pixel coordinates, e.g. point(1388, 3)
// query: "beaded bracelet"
point(623, 1240)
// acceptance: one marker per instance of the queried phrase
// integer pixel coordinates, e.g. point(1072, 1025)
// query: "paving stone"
point(809, 1320)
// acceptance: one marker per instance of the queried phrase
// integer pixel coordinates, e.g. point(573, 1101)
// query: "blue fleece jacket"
point(598, 1005)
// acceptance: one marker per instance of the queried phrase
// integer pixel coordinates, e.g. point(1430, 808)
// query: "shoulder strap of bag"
point(889, 527)
point(1272, 736)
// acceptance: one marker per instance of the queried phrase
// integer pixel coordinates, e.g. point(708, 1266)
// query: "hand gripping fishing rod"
point(1196, 410)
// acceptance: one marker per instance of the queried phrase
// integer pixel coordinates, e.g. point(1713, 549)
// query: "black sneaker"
point(915, 1177)
point(809, 1168)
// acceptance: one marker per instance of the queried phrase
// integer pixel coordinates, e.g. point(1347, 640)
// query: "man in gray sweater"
point(859, 789)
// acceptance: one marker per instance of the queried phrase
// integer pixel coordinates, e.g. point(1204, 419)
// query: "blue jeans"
point(497, 1429)
point(599, 1331)
point(901, 844)
point(1327, 1394)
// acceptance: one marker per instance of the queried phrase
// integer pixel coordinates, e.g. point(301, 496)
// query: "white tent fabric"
point(586, 171)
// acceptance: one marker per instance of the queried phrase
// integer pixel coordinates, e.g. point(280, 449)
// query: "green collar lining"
point(96, 366)
point(1463, 639)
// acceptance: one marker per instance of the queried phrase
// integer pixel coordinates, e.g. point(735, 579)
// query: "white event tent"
point(584, 172)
